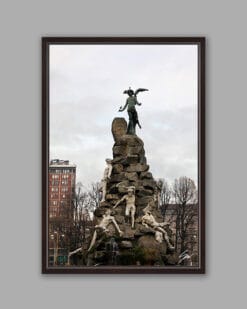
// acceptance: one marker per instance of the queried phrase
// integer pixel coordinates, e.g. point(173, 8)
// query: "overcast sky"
point(86, 91)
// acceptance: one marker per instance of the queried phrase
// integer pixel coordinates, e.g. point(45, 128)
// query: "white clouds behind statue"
point(86, 84)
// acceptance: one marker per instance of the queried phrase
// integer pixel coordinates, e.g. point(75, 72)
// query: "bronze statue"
point(133, 116)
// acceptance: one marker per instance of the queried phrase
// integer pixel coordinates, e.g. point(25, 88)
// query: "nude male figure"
point(130, 204)
point(102, 226)
point(106, 176)
point(148, 220)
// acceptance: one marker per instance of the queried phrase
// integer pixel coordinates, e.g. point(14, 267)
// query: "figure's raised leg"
point(93, 241)
point(170, 246)
point(117, 227)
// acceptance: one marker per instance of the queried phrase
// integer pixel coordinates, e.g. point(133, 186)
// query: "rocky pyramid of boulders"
point(136, 246)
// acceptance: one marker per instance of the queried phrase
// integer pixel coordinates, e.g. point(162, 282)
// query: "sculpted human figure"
point(107, 219)
point(130, 204)
point(159, 236)
point(157, 192)
point(106, 176)
point(130, 103)
point(185, 258)
point(148, 220)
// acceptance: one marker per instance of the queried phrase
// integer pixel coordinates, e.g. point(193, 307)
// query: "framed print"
point(123, 155)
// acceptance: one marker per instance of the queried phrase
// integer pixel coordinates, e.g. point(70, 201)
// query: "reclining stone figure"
point(102, 227)
point(149, 221)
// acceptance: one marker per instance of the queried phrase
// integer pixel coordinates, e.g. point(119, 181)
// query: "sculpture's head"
point(130, 92)
point(131, 190)
point(108, 212)
point(108, 161)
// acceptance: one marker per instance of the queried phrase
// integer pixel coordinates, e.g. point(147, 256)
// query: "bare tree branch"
point(185, 195)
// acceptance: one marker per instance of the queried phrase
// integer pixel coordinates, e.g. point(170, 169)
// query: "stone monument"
point(129, 208)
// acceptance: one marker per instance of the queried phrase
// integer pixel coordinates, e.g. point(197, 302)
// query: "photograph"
point(123, 155)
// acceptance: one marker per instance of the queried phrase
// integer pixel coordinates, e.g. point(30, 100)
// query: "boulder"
point(119, 128)
point(131, 176)
point(123, 186)
point(152, 251)
point(112, 197)
point(118, 159)
point(149, 184)
point(113, 189)
point(126, 244)
point(119, 150)
point(119, 219)
point(146, 175)
point(170, 259)
point(143, 201)
point(144, 192)
point(142, 159)
point(117, 177)
point(130, 140)
point(134, 150)
point(132, 159)
point(137, 167)
point(117, 168)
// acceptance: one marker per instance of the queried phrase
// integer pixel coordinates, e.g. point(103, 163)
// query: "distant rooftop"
point(58, 163)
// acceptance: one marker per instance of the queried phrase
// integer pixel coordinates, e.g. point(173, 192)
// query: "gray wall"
point(22, 25)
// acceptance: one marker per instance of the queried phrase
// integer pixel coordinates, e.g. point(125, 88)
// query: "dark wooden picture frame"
point(200, 42)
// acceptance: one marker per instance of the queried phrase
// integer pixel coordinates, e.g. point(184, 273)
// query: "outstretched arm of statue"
point(92, 241)
point(121, 109)
point(120, 201)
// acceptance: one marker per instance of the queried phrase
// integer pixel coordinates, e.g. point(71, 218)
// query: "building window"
point(54, 195)
point(53, 212)
point(66, 171)
point(64, 189)
point(64, 182)
point(55, 176)
point(54, 189)
point(65, 176)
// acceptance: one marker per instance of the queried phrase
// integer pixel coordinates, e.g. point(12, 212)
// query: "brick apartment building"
point(62, 179)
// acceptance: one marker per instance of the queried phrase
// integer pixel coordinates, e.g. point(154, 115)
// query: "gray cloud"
point(86, 90)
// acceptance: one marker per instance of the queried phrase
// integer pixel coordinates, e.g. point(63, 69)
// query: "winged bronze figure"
point(130, 103)
point(135, 93)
